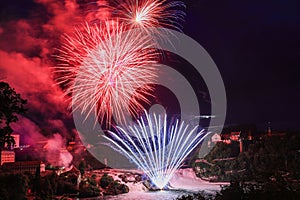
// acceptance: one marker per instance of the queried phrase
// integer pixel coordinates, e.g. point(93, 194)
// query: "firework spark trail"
point(104, 65)
point(152, 13)
point(145, 14)
point(107, 67)
point(157, 147)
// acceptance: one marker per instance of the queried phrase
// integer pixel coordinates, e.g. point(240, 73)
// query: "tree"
point(86, 191)
point(106, 180)
point(11, 104)
point(13, 186)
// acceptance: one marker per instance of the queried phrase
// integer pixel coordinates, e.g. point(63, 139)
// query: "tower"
point(269, 129)
point(17, 140)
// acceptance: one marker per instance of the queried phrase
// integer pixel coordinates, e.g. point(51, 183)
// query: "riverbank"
point(184, 182)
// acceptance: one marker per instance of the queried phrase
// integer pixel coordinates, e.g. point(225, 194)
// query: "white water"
point(183, 182)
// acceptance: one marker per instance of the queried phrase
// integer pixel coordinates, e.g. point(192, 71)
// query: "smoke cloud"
point(27, 45)
point(56, 153)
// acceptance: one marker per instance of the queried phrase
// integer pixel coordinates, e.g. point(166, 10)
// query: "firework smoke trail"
point(103, 67)
point(152, 13)
point(157, 147)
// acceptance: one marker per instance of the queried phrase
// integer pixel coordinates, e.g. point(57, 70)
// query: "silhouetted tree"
point(11, 104)
point(13, 186)
point(106, 180)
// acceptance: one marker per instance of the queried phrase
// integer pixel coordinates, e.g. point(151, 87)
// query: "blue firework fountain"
point(156, 147)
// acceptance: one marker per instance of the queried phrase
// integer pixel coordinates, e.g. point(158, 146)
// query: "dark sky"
point(255, 45)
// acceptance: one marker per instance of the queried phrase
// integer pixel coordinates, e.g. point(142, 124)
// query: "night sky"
point(255, 45)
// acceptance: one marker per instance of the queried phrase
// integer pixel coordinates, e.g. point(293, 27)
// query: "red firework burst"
point(103, 65)
point(152, 13)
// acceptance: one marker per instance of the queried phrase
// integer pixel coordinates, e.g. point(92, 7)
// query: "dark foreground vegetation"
point(53, 186)
point(261, 160)
point(267, 168)
point(272, 190)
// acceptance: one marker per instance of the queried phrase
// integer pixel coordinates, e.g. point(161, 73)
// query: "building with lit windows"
point(24, 166)
point(7, 157)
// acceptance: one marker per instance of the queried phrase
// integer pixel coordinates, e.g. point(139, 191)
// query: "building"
point(216, 138)
point(24, 166)
point(17, 140)
point(272, 133)
point(235, 135)
point(7, 157)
